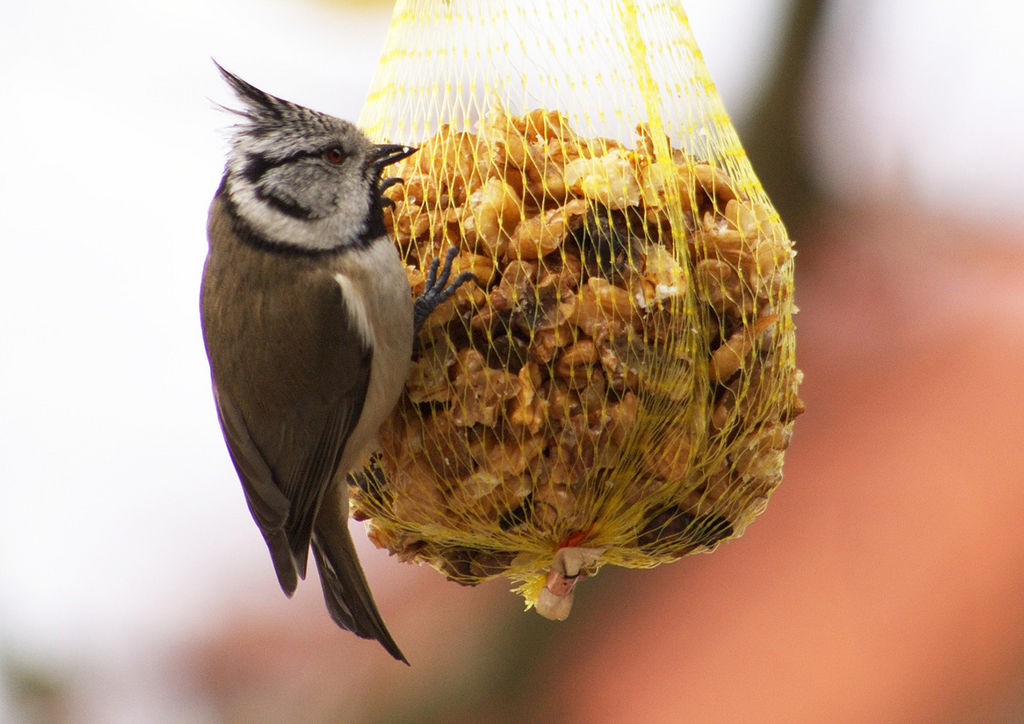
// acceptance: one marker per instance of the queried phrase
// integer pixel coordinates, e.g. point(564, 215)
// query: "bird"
point(309, 323)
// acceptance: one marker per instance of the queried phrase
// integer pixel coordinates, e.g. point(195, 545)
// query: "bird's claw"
point(384, 185)
point(435, 291)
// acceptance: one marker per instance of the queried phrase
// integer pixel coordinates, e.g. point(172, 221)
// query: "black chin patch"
point(375, 223)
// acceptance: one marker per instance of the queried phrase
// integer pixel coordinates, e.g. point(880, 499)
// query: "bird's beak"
point(386, 154)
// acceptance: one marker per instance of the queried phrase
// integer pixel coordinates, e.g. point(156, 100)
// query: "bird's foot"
point(435, 292)
point(387, 183)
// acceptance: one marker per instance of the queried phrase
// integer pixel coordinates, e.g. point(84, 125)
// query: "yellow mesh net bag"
point(620, 385)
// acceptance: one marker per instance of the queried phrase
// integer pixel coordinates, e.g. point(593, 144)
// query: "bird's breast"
point(379, 302)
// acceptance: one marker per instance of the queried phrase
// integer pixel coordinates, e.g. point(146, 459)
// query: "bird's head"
point(301, 179)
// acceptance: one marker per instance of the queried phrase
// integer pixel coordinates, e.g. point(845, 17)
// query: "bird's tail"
point(346, 592)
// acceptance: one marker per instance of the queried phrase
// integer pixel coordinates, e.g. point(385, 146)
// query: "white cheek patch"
point(356, 307)
point(273, 225)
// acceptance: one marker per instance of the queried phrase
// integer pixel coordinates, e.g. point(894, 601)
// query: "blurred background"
point(884, 583)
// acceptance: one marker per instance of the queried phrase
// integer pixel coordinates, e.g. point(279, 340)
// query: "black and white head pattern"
point(299, 179)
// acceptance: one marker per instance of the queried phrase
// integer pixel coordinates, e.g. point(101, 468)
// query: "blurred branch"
point(774, 134)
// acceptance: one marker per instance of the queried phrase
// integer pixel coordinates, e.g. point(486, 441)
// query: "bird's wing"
point(287, 432)
point(268, 505)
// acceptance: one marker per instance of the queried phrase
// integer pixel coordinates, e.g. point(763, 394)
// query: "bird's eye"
point(334, 155)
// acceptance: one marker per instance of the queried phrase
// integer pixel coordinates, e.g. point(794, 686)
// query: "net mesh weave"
point(622, 376)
